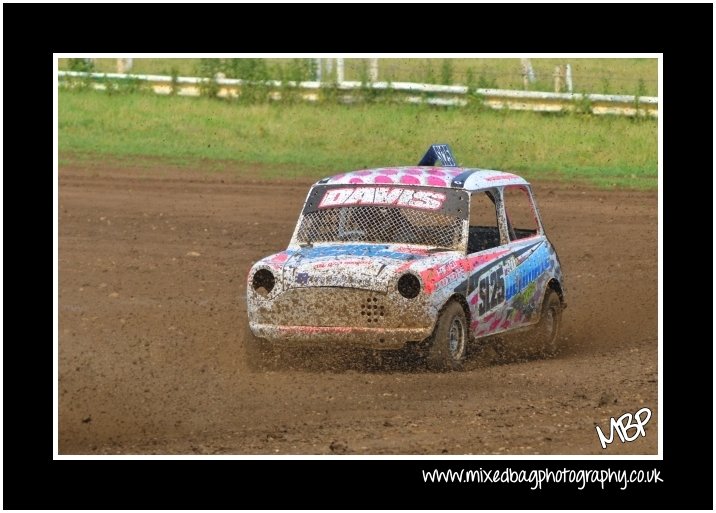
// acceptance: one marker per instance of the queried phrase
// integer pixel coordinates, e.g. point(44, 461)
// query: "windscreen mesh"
point(381, 225)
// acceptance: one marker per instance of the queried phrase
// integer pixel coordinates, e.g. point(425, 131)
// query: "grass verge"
point(306, 140)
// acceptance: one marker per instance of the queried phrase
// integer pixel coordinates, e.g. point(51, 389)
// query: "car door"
point(526, 268)
point(488, 249)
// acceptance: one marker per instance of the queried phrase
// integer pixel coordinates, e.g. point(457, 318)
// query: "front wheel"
point(547, 329)
point(448, 343)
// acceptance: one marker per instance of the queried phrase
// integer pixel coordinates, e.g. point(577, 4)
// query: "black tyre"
point(547, 330)
point(448, 343)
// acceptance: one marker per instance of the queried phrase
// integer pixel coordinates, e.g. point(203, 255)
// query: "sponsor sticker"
point(386, 196)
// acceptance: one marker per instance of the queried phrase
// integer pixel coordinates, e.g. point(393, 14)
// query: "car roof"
point(470, 179)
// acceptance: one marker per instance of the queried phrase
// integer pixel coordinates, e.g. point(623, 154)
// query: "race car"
point(429, 258)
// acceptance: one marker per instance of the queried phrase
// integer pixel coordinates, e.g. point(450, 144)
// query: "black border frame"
point(32, 480)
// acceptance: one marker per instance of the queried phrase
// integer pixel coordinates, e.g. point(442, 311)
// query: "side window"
point(484, 231)
point(520, 212)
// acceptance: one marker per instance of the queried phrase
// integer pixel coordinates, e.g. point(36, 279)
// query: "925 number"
point(491, 290)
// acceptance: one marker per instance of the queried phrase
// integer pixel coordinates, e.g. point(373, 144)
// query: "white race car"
point(424, 258)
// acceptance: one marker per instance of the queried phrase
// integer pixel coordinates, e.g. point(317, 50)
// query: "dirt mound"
point(152, 314)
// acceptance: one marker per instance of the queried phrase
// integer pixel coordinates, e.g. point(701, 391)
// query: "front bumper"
point(340, 316)
point(341, 336)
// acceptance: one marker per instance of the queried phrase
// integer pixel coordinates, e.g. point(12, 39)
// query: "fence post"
point(339, 70)
point(558, 73)
point(124, 65)
point(568, 77)
point(528, 73)
point(374, 70)
point(319, 70)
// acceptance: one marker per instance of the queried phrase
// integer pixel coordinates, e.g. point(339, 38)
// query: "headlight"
point(263, 282)
point(409, 286)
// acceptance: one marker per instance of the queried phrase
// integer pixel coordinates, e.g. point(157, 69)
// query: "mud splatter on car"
point(425, 258)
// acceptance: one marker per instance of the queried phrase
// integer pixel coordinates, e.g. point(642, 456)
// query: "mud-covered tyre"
point(448, 343)
point(546, 332)
point(258, 353)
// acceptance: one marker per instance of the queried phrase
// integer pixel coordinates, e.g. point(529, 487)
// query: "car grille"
point(331, 306)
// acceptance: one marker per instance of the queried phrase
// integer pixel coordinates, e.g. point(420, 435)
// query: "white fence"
point(449, 95)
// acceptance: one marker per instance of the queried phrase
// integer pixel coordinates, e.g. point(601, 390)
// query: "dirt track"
point(152, 311)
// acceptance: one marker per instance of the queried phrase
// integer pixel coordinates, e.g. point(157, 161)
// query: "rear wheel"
point(448, 343)
point(542, 340)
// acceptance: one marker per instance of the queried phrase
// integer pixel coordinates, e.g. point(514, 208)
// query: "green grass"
point(612, 76)
point(306, 140)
